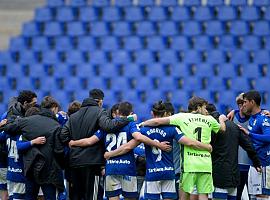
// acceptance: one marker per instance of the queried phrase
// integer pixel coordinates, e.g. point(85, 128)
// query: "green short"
point(202, 181)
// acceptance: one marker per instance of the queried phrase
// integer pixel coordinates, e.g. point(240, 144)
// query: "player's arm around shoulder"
point(195, 144)
point(85, 142)
point(156, 122)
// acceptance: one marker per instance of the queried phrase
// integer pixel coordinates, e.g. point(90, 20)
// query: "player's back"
point(123, 164)
point(159, 164)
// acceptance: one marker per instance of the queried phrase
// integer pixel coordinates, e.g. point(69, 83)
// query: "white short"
point(3, 178)
point(259, 183)
point(16, 190)
point(165, 188)
point(120, 184)
point(221, 193)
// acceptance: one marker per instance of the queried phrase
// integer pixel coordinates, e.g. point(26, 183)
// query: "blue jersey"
point(259, 128)
point(61, 118)
point(3, 150)
point(124, 164)
point(159, 164)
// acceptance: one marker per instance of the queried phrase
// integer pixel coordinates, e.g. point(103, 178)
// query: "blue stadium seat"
point(267, 42)
point(15, 70)
point(214, 28)
point(239, 2)
point(86, 43)
point(191, 28)
point(226, 13)
point(216, 57)
point(109, 70)
point(192, 57)
point(5, 57)
point(180, 43)
point(155, 69)
point(74, 57)
point(25, 83)
point(168, 57)
point(215, 2)
point(204, 94)
point(132, 43)
point(111, 14)
point(123, 3)
point(100, 3)
point(227, 70)
point(53, 29)
point(205, 70)
point(202, 13)
point(250, 13)
point(155, 43)
point(239, 27)
point(120, 57)
point(262, 57)
point(145, 28)
point(180, 14)
point(61, 96)
point(227, 97)
point(40, 43)
point(251, 71)
point(216, 83)
point(120, 83)
point(36, 70)
point(55, 3)
point(88, 14)
point(62, 69)
point(157, 14)
point(227, 42)
point(202, 43)
point(144, 57)
point(192, 3)
point(64, 14)
point(261, 28)
point(144, 83)
point(27, 57)
point(77, 3)
point(180, 70)
point(131, 96)
point(50, 57)
point(239, 57)
point(30, 29)
point(72, 83)
point(17, 43)
point(132, 70)
point(133, 14)
point(262, 82)
point(142, 110)
point(86, 70)
point(167, 82)
point(75, 29)
point(251, 43)
point(99, 29)
point(109, 43)
point(48, 83)
point(43, 14)
point(121, 28)
point(261, 3)
point(98, 57)
point(63, 43)
point(192, 83)
point(267, 13)
point(180, 97)
point(153, 96)
point(97, 82)
point(144, 3)
point(168, 28)
point(240, 83)
point(168, 3)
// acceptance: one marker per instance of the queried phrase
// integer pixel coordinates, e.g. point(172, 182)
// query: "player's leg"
point(204, 184)
point(18, 191)
point(129, 187)
point(3, 184)
point(152, 190)
point(113, 187)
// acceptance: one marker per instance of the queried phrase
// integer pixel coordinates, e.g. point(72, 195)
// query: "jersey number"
point(198, 131)
point(12, 150)
point(157, 152)
point(117, 140)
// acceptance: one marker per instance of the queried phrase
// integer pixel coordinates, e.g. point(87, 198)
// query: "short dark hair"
point(196, 102)
point(26, 96)
point(96, 94)
point(125, 108)
point(159, 109)
point(73, 107)
point(49, 102)
point(253, 95)
point(211, 108)
point(114, 108)
point(32, 111)
point(169, 107)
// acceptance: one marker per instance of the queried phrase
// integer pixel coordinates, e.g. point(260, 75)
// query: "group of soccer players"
point(154, 138)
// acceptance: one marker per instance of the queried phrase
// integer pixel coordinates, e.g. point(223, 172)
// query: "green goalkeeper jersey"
point(198, 127)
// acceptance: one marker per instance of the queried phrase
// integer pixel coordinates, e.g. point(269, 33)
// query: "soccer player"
point(160, 175)
point(259, 132)
point(120, 171)
point(196, 165)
